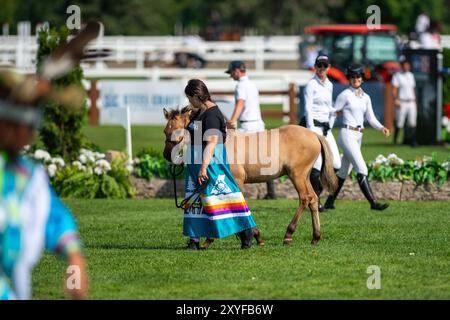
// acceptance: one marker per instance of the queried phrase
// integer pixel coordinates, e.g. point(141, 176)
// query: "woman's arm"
point(395, 84)
point(208, 153)
point(335, 112)
point(309, 94)
point(333, 115)
point(395, 95)
point(373, 121)
point(340, 103)
point(238, 108)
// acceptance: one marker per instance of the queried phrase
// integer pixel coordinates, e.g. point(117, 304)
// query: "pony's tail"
point(327, 175)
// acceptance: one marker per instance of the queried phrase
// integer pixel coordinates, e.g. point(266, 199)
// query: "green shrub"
point(61, 131)
point(425, 170)
point(71, 182)
point(446, 78)
point(149, 167)
point(149, 151)
point(90, 176)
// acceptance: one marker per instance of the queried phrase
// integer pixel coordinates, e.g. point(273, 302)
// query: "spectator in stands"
point(403, 90)
point(431, 39)
point(422, 23)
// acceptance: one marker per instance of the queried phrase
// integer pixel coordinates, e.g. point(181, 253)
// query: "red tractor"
point(377, 49)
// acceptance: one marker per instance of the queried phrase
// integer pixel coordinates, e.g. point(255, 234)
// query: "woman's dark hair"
point(197, 88)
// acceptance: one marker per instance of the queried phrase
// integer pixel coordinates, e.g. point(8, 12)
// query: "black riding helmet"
point(354, 69)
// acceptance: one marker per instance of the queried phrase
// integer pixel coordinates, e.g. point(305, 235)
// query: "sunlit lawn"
point(135, 250)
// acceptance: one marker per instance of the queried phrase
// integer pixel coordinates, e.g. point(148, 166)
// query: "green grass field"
point(135, 251)
point(135, 248)
point(374, 143)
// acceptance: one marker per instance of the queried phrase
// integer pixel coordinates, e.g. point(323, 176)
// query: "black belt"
point(321, 124)
point(324, 125)
point(249, 120)
point(407, 100)
point(358, 128)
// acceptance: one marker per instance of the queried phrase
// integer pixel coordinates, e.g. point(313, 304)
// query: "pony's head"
point(175, 132)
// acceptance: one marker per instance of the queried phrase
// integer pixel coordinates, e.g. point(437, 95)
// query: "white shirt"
point(247, 91)
point(427, 41)
point(422, 23)
point(405, 83)
point(356, 106)
point(318, 100)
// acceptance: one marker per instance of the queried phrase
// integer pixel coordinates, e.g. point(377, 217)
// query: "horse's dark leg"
point(207, 243)
point(257, 236)
point(299, 182)
point(293, 225)
point(314, 207)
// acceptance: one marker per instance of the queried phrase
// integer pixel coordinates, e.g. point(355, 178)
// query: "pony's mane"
point(173, 113)
point(177, 112)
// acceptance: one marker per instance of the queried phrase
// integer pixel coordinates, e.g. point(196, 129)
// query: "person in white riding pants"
point(318, 108)
point(247, 108)
point(403, 85)
point(355, 106)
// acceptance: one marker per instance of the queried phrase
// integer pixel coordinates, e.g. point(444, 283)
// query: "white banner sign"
point(145, 98)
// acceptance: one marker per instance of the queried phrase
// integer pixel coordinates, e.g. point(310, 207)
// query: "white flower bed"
point(391, 160)
point(88, 161)
point(446, 123)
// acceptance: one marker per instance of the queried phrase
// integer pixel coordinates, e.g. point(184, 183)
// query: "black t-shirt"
point(211, 118)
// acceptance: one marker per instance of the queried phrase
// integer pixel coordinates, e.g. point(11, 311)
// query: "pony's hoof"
point(314, 242)
point(206, 244)
point(261, 244)
point(287, 242)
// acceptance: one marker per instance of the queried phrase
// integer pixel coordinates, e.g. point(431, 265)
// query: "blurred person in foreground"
point(32, 217)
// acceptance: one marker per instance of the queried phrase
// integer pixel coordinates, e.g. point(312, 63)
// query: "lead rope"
point(195, 196)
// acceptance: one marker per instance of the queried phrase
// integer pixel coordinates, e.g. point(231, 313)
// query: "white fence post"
point(128, 133)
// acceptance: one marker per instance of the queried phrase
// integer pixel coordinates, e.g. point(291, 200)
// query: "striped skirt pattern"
point(223, 210)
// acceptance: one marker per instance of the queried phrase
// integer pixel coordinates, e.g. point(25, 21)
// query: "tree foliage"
point(265, 17)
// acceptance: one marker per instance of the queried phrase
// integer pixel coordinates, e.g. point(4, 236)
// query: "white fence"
point(21, 52)
point(265, 79)
point(139, 50)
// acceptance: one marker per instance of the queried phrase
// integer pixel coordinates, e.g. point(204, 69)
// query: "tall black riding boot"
point(246, 237)
point(413, 133)
point(314, 177)
point(329, 204)
point(407, 135)
point(367, 191)
point(270, 190)
point(396, 132)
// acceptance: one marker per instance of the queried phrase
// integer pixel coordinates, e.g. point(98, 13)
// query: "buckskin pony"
point(293, 150)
